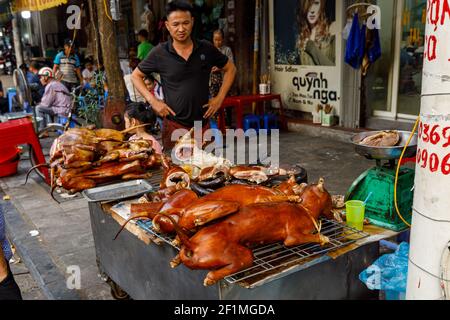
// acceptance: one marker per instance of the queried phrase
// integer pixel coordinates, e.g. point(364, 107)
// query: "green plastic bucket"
point(355, 214)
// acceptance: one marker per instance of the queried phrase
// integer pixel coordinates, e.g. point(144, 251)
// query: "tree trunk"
point(94, 32)
point(112, 114)
point(110, 53)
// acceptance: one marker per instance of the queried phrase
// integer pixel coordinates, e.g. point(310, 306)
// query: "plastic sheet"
point(389, 272)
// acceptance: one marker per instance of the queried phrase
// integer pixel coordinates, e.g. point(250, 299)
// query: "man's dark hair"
point(35, 65)
point(178, 5)
point(143, 33)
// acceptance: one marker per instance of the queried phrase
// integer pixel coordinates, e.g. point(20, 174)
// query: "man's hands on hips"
point(213, 106)
point(162, 109)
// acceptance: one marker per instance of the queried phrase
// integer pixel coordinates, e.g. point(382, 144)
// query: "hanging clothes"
point(352, 49)
point(374, 51)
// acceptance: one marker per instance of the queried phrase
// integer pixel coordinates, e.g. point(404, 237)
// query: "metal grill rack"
point(269, 259)
point(147, 225)
point(274, 258)
point(155, 179)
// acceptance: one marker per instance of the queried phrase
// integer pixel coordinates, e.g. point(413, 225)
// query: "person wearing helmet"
point(56, 99)
point(68, 65)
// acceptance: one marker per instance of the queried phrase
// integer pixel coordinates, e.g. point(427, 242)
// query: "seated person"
point(37, 90)
point(4, 104)
point(88, 74)
point(137, 114)
point(56, 99)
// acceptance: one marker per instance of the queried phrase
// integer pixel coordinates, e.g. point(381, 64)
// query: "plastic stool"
point(21, 131)
point(252, 121)
point(270, 121)
point(218, 139)
point(11, 95)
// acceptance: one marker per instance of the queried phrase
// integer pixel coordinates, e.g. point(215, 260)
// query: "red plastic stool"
point(406, 160)
point(21, 131)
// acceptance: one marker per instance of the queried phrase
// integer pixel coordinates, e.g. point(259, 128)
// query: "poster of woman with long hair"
point(316, 42)
point(306, 52)
point(306, 35)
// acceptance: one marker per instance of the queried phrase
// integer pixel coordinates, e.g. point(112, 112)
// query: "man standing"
point(8, 286)
point(68, 63)
point(184, 65)
point(145, 47)
point(56, 99)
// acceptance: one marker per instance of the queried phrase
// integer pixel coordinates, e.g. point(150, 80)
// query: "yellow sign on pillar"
point(35, 5)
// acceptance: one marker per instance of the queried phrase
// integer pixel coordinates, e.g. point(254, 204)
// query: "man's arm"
point(80, 77)
point(47, 98)
point(229, 74)
point(162, 109)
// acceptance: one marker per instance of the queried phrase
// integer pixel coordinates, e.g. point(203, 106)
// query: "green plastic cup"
point(355, 210)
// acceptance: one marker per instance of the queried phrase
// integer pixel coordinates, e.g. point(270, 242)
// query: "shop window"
point(411, 56)
point(378, 80)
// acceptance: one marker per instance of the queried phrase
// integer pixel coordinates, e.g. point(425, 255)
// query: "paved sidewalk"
point(65, 235)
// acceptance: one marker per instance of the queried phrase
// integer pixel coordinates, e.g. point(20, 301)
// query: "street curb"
point(41, 266)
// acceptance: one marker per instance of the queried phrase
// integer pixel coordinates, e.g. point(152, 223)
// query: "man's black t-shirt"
point(185, 83)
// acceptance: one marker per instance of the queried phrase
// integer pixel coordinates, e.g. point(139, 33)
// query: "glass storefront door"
point(378, 79)
point(411, 57)
point(395, 82)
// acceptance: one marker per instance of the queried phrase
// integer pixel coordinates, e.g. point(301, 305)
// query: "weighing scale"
point(380, 180)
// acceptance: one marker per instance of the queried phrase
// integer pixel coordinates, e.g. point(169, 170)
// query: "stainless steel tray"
point(385, 153)
point(118, 191)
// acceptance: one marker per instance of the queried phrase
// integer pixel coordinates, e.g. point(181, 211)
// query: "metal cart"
point(141, 270)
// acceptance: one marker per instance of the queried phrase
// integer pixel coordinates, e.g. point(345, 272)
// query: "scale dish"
point(385, 153)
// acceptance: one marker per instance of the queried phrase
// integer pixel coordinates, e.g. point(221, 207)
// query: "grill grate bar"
point(337, 233)
point(269, 257)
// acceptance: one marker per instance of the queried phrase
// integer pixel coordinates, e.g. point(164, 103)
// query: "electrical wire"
point(398, 170)
point(444, 268)
point(106, 11)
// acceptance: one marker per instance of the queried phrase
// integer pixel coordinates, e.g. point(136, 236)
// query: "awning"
point(35, 5)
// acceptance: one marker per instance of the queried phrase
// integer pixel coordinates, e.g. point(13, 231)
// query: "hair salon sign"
point(306, 52)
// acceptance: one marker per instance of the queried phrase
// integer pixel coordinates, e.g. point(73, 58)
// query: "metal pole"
point(256, 51)
point(41, 35)
point(16, 39)
point(430, 233)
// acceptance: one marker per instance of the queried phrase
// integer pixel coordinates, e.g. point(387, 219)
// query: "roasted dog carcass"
point(221, 203)
point(82, 158)
point(191, 212)
point(382, 139)
point(224, 247)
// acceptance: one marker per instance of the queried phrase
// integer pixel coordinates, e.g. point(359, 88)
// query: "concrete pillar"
point(430, 233)
point(16, 39)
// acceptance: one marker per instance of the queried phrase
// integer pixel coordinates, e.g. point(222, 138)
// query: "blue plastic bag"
point(389, 272)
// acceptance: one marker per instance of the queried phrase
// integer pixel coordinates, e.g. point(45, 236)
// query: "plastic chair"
point(252, 121)
point(270, 121)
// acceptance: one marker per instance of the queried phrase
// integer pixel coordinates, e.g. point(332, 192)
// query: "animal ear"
point(320, 185)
